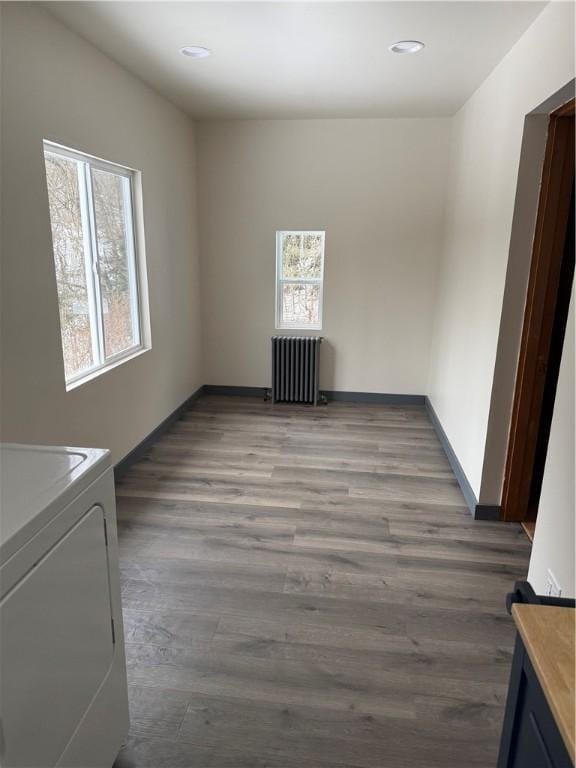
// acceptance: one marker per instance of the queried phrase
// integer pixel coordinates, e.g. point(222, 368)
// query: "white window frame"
point(280, 281)
point(135, 257)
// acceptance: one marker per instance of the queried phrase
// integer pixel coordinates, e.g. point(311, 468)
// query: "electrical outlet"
point(553, 589)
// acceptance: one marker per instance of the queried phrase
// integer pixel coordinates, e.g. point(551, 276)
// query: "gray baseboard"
point(331, 395)
point(487, 512)
point(219, 389)
point(374, 397)
point(478, 511)
point(136, 453)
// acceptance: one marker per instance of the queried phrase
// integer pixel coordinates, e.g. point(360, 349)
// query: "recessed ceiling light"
point(195, 51)
point(406, 46)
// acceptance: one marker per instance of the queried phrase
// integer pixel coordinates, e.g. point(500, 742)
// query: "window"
point(97, 270)
point(299, 276)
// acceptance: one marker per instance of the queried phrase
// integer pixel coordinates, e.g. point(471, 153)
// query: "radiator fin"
point(295, 369)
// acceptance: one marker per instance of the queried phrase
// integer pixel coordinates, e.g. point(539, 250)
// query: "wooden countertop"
point(548, 636)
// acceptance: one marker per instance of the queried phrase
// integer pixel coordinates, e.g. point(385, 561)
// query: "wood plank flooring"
point(305, 588)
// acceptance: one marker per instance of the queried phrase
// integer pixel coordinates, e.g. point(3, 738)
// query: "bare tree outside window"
point(115, 279)
point(300, 268)
point(70, 263)
point(95, 262)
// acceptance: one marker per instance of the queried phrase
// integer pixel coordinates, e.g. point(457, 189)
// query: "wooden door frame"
point(542, 305)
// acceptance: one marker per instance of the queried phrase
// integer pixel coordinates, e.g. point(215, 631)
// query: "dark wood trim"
point(553, 371)
point(548, 275)
point(566, 110)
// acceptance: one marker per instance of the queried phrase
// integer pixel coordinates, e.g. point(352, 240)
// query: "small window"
point(299, 278)
point(98, 272)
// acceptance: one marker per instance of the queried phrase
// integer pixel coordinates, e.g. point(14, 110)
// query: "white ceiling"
point(306, 59)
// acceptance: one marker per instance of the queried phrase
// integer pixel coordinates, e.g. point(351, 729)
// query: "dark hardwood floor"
point(305, 588)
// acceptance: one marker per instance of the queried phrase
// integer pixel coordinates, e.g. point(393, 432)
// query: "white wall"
point(554, 542)
point(485, 152)
point(57, 86)
point(377, 188)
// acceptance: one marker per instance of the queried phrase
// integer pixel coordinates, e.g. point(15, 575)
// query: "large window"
point(299, 277)
point(98, 271)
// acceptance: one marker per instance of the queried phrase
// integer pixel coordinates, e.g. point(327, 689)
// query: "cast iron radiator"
point(295, 369)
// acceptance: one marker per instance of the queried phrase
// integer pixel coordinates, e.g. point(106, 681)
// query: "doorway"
point(545, 317)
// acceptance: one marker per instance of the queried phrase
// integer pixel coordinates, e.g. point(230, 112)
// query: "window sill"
point(297, 328)
point(95, 372)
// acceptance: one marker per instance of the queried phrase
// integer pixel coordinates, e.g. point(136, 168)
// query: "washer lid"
point(36, 482)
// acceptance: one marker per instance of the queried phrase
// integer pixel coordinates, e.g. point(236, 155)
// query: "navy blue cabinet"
point(530, 735)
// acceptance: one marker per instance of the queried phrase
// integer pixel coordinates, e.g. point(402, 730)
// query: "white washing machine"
point(63, 694)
